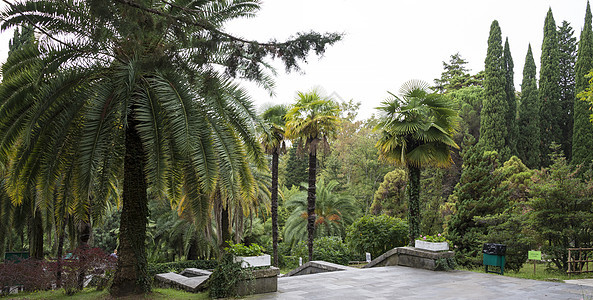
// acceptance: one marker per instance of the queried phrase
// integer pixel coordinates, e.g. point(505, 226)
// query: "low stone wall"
point(317, 266)
point(266, 281)
point(195, 280)
point(410, 257)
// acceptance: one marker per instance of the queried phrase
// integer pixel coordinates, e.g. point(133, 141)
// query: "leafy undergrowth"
point(93, 294)
point(542, 272)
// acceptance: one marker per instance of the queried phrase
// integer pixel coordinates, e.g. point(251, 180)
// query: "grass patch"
point(542, 272)
point(89, 294)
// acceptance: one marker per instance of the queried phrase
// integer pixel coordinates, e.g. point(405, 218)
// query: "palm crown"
point(417, 128)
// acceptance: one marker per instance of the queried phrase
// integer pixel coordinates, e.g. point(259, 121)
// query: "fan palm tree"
point(334, 213)
point(417, 131)
point(131, 94)
point(273, 141)
point(312, 119)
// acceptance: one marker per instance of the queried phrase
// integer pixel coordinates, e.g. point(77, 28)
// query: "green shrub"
point(178, 266)
point(376, 234)
point(327, 248)
point(225, 277)
point(242, 250)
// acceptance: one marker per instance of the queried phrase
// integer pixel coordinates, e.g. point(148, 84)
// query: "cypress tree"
point(549, 91)
point(582, 138)
point(511, 140)
point(493, 122)
point(20, 38)
point(567, 56)
point(528, 124)
point(296, 168)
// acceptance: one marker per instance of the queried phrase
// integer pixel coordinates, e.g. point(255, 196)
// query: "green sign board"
point(535, 255)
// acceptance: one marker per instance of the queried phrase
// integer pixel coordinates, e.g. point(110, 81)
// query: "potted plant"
point(432, 243)
point(249, 256)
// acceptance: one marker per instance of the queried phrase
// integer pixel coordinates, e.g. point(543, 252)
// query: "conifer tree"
point(296, 167)
point(567, 57)
point(493, 122)
point(582, 138)
point(528, 124)
point(477, 194)
point(549, 91)
point(511, 141)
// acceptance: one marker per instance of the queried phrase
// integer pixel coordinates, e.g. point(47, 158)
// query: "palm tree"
point(417, 131)
point(334, 213)
point(131, 94)
point(312, 119)
point(273, 141)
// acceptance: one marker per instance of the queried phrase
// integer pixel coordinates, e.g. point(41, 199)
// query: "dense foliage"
point(494, 131)
point(549, 90)
point(528, 148)
point(328, 248)
point(582, 139)
point(377, 234)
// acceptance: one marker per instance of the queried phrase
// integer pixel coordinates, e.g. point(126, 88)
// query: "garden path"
point(397, 282)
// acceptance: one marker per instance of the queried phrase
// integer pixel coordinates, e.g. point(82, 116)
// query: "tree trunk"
point(83, 244)
point(36, 235)
point(414, 203)
point(275, 206)
point(192, 252)
point(311, 201)
point(130, 276)
point(59, 259)
point(225, 227)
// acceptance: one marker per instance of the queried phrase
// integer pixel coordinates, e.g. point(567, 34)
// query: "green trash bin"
point(494, 255)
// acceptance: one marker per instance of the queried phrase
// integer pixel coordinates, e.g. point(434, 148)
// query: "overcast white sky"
point(388, 42)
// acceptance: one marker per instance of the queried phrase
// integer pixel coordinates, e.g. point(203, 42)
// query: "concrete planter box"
point(254, 261)
point(442, 246)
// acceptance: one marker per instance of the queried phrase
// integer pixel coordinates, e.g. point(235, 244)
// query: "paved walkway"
point(408, 283)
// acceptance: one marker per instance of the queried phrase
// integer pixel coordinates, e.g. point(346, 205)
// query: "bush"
point(327, 248)
point(225, 277)
point(242, 250)
point(178, 266)
point(376, 234)
point(34, 274)
point(29, 273)
point(83, 262)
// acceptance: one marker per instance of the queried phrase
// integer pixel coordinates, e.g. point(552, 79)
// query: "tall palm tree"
point(131, 94)
point(273, 141)
point(416, 131)
point(312, 119)
point(334, 213)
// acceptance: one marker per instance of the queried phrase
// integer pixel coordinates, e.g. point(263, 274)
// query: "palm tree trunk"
point(275, 206)
point(36, 235)
point(414, 203)
point(130, 276)
point(192, 252)
point(84, 228)
point(225, 227)
point(311, 201)
point(60, 254)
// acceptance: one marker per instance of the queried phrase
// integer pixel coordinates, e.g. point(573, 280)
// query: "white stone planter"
point(442, 246)
point(253, 261)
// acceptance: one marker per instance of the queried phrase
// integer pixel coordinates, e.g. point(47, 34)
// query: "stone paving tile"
point(408, 283)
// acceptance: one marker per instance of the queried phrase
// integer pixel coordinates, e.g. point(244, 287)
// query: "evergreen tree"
point(528, 124)
point(582, 139)
point(567, 57)
point(477, 194)
point(511, 141)
point(493, 122)
point(296, 167)
point(549, 91)
point(455, 76)
point(21, 37)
